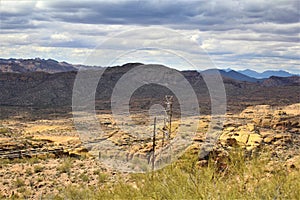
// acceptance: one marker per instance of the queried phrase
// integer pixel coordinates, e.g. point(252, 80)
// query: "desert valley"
point(256, 155)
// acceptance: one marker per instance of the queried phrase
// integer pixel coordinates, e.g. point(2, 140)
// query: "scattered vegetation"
point(242, 179)
point(66, 166)
point(4, 161)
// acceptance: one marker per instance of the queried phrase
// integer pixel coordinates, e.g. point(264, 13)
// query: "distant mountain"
point(280, 73)
point(238, 76)
point(265, 74)
point(231, 74)
point(227, 70)
point(36, 65)
point(13, 65)
point(250, 73)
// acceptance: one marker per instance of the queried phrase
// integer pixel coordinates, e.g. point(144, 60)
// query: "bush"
point(19, 183)
point(65, 167)
point(38, 168)
point(242, 179)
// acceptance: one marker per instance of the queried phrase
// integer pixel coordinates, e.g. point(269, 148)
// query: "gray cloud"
point(269, 29)
point(194, 13)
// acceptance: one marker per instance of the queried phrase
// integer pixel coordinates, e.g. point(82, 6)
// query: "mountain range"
point(238, 76)
point(53, 66)
point(40, 89)
point(265, 74)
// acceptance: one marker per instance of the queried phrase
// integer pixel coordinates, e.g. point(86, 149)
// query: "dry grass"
point(242, 179)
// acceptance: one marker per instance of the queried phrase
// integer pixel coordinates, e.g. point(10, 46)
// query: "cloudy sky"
point(255, 34)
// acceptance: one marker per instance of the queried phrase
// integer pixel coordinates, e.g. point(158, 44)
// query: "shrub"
point(38, 168)
point(65, 167)
point(19, 183)
point(84, 177)
point(242, 179)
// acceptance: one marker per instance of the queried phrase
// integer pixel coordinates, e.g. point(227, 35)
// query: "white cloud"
point(60, 37)
point(236, 34)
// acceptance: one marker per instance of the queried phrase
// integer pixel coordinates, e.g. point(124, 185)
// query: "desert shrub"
point(66, 166)
point(19, 183)
point(28, 171)
point(33, 160)
point(84, 177)
point(38, 168)
point(243, 178)
point(102, 178)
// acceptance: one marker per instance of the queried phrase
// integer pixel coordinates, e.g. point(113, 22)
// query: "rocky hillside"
point(34, 65)
point(40, 89)
point(259, 144)
point(274, 81)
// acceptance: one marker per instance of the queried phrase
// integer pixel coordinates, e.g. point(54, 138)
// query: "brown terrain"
point(40, 148)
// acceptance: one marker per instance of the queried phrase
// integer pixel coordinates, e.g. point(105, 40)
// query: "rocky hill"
point(35, 65)
point(274, 81)
point(54, 90)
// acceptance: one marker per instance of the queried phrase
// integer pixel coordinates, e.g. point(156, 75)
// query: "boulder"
point(266, 123)
point(241, 137)
point(278, 139)
point(265, 134)
point(251, 127)
point(254, 139)
point(269, 139)
point(229, 129)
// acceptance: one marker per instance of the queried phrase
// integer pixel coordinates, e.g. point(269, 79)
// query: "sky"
point(255, 34)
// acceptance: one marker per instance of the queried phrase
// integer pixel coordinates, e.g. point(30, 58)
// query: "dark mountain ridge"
point(238, 76)
point(54, 90)
point(52, 66)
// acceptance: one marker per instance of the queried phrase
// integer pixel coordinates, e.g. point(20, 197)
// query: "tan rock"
point(251, 127)
point(292, 109)
point(241, 137)
point(265, 134)
point(250, 148)
point(266, 123)
point(285, 136)
point(269, 139)
point(224, 137)
point(257, 120)
point(278, 142)
point(254, 139)
point(229, 129)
